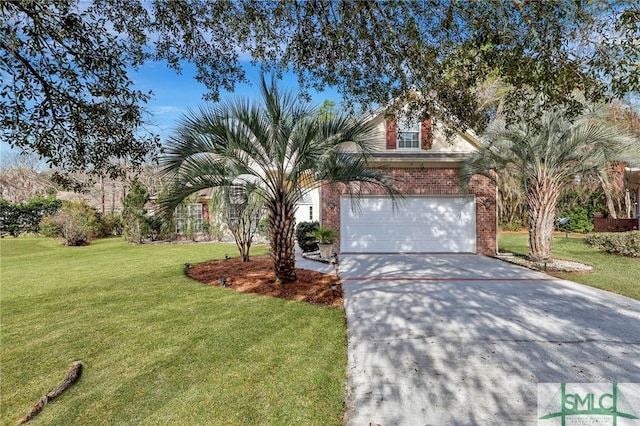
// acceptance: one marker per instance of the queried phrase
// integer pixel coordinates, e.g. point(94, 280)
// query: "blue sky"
point(174, 93)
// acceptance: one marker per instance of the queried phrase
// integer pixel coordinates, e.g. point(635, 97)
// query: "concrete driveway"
point(465, 339)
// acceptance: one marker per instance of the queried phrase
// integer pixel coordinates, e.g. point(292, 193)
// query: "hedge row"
point(77, 223)
point(623, 243)
point(16, 219)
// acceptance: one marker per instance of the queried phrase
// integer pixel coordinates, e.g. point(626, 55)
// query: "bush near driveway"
point(623, 243)
point(305, 241)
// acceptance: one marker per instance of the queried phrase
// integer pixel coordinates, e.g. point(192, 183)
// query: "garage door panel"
point(417, 224)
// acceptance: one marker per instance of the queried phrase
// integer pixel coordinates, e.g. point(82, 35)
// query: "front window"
point(189, 218)
point(408, 134)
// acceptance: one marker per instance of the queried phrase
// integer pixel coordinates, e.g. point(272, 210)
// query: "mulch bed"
point(256, 276)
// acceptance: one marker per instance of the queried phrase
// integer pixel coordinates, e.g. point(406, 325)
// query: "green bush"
point(515, 225)
point(17, 219)
point(306, 242)
point(49, 228)
point(263, 227)
point(112, 224)
point(324, 235)
point(580, 220)
point(215, 230)
point(622, 243)
point(589, 200)
point(76, 223)
point(134, 220)
point(161, 228)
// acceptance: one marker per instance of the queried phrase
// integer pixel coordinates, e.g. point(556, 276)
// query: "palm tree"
point(278, 148)
point(548, 155)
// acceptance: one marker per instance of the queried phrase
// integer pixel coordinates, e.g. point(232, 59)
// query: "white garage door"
point(429, 224)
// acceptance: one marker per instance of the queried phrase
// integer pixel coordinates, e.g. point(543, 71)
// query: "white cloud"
point(166, 109)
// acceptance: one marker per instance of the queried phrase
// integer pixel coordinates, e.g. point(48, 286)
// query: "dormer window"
point(408, 133)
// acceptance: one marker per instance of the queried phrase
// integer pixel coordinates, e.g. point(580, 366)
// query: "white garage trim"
point(418, 224)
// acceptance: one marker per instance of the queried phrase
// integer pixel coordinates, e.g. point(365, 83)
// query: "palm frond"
point(279, 144)
point(556, 147)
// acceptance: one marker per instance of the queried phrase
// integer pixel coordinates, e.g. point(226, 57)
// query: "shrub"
point(214, 230)
point(25, 217)
point(135, 226)
point(306, 242)
point(160, 228)
point(515, 225)
point(112, 224)
point(324, 235)
point(77, 223)
point(263, 227)
point(622, 243)
point(579, 220)
point(49, 227)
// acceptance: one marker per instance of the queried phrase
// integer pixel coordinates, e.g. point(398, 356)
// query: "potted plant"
point(325, 237)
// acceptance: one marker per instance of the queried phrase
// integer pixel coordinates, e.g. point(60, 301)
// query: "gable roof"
point(438, 112)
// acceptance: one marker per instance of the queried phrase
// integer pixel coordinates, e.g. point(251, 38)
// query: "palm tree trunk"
point(282, 223)
point(608, 194)
point(242, 237)
point(542, 199)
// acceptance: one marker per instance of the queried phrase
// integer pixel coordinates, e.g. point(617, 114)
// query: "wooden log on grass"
point(72, 377)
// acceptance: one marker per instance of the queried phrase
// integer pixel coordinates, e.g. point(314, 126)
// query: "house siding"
point(421, 181)
point(382, 141)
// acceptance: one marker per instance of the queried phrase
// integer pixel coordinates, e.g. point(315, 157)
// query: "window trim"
point(405, 126)
point(189, 212)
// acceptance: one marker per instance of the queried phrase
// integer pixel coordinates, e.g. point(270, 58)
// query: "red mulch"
point(256, 276)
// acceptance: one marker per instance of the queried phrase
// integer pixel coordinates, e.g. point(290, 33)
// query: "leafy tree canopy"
point(65, 92)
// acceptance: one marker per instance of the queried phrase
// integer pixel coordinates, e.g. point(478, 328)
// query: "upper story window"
point(408, 133)
point(402, 133)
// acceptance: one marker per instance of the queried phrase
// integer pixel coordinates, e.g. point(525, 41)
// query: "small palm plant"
point(324, 235)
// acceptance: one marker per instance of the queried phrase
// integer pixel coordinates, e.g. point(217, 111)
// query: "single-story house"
point(435, 215)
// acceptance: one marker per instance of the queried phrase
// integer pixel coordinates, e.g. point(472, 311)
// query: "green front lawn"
point(613, 273)
point(158, 348)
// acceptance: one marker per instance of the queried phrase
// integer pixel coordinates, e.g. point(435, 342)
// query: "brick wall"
point(419, 181)
point(614, 225)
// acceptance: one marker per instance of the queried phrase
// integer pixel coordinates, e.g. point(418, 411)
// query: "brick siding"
point(419, 181)
point(615, 225)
